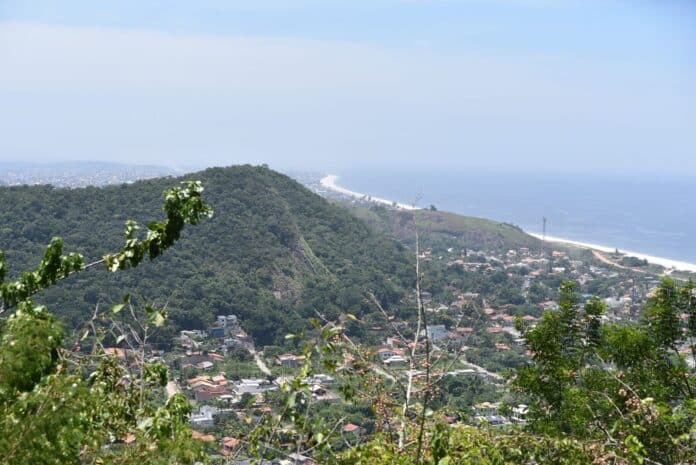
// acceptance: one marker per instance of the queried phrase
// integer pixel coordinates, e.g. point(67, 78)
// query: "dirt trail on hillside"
point(604, 259)
point(259, 362)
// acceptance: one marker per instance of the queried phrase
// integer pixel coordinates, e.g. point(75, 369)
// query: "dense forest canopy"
point(273, 253)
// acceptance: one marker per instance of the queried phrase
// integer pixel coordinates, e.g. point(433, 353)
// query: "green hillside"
point(273, 254)
point(443, 229)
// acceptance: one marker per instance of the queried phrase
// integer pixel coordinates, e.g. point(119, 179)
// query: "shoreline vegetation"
point(330, 182)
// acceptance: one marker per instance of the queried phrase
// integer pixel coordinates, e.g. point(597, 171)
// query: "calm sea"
point(655, 216)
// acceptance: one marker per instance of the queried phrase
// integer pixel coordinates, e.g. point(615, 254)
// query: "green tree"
point(60, 404)
point(626, 384)
point(247, 400)
point(466, 444)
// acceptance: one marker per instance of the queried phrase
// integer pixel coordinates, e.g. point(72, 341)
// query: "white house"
point(437, 333)
point(204, 417)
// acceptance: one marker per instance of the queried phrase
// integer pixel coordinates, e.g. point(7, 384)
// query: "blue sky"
point(490, 84)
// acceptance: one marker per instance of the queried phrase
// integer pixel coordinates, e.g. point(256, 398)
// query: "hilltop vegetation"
point(441, 230)
point(273, 254)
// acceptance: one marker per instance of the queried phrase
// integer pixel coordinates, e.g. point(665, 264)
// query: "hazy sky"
point(542, 84)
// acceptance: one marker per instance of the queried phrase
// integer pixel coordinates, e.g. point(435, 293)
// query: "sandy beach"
point(329, 182)
point(666, 262)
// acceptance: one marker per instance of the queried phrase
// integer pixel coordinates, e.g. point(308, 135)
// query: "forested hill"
point(272, 254)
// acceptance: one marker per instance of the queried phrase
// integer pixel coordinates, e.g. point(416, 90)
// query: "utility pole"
point(543, 237)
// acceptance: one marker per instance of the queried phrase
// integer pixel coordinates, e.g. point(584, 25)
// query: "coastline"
point(668, 263)
point(329, 182)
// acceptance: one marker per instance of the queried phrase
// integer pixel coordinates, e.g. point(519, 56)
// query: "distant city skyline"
point(603, 86)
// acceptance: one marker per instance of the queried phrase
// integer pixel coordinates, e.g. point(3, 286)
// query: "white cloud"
point(99, 92)
point(47, 57)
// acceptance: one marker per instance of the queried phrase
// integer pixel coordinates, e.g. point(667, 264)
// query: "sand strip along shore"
point(329, 182)
point(666, 262)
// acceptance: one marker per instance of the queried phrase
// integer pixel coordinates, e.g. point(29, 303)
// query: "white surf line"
point(329, 182)
point(666, 262)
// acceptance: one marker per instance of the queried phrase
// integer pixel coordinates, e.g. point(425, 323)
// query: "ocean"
point(646, 214)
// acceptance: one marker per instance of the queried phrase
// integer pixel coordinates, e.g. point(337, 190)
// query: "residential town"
point(77, 174)
point(474, 334)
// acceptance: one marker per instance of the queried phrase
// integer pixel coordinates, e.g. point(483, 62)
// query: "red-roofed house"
point(351, 428)
point(115, 352)
point(386, 352)
point(229, 445)
point(205, 393)
point(203, 437)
